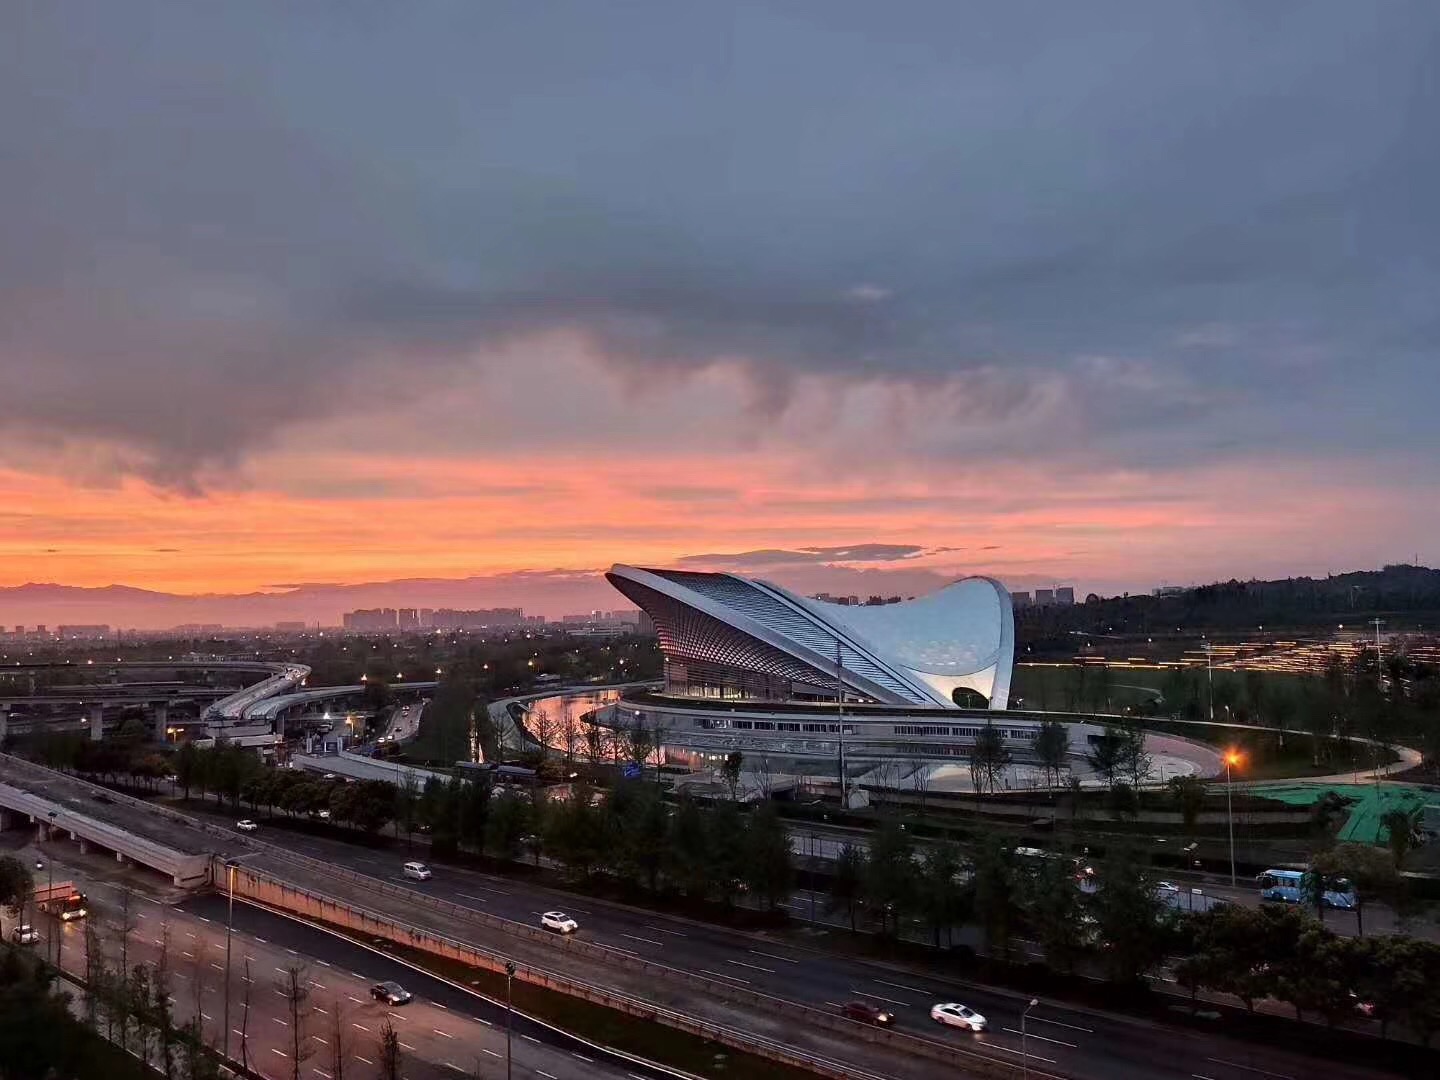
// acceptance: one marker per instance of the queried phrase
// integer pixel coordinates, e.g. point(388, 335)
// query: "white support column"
point(97, 722)
point(162, 721)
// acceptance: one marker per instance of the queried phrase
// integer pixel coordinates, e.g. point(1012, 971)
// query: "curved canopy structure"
point(729, 636)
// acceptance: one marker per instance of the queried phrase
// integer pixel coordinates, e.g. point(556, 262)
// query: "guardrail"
point(262, 888)
point(810, 1016)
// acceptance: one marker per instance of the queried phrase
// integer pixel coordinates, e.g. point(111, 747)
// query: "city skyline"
point(1112, 297)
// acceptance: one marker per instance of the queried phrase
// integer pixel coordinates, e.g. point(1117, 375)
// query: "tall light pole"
point(231, 864)
point(509, 1013)
point(1210, 677)
point(840, 726)
point(1232, 759)
point(1025, 1040)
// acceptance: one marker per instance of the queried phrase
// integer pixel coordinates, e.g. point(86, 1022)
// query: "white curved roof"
point(917, 652)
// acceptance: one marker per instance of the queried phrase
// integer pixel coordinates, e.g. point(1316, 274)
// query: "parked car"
point(391, 993)
point(417, 871)
point(24, 935)
point(559, 922)
point(953, 1014)
point(246, 826)
point(866, 1013)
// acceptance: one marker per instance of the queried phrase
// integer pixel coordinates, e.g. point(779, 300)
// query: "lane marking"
point(452, 1065)
point(752, 967)
point(191, 936)
point(191, 955)
point(582, 1057)
point(467, 896)
point(321, 1011)
point(880, 997)
point(202, 918)
point(1017, 1053)
point(647, 940)
point(282, 1023)
point(774, 956)
point(406, 1046)
point(362, 1027)
point(395, 1015)
point(366, 1060)
point(552, 1076)
point(439, 1006)
point(1061, 1023)
point(218, 967)
point(322, 1072)
point(318, 1039)
point(661, 929)
point(282, 1053)
point(722, 975)
point(323, 963)
point(531, 1038)
point(901, 986)
point(1247, 1068)
point(492, 1053)
point(261, 940)
point(445, 1033)
point(357, 1001)
point(477, 1019)
point(1042, 1038)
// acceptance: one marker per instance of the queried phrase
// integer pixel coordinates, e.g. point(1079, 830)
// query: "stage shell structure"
point(733, 638)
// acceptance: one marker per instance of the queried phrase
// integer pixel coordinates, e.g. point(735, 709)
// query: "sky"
point(1114, 294)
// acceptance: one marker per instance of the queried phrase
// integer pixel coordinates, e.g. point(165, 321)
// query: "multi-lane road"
point(444, 1032)
point(1061, 1040)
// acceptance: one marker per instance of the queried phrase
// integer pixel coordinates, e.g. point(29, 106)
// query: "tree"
point(389, 1052)
point(339, 1040)
point(407, 805)
point(1130, 918)
point(641, 826)
point(37, 1032)
point(847, 882)
point(989, 758)
point(16, 883)
point(688, 859)
point(1400, 826)
point(890, 875)
point(1135, 763)
point(294, 986)
point(508, 821)
point(1370, 872)
point(995, 894)
point(769, 864)
point(1318, 975)
point(940, 894)
point(1107, 756)
point(1052, 904)
point(1052, 747)
point(1188, 795)
point(730, 772)
point(187, 766)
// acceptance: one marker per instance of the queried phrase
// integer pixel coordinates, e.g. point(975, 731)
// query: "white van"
point(417, 871)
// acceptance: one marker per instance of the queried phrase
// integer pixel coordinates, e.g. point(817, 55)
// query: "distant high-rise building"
point(1065, 594)
point(407, 618)
point(371, 619)
point(1044, 596)
point(1021, 599)
point(291, 626)
point(76, 631)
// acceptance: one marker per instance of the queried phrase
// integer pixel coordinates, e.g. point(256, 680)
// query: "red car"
point(866, 1013)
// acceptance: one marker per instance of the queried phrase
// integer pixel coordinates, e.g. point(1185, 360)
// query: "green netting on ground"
point(1368, 805)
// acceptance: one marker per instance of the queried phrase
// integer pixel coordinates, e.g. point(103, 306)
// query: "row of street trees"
point(1283, 954)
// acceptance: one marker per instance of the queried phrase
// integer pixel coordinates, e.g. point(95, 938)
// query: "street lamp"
point(1024, 1040)
point(509, 1013)
point(231, 864)
point(1233, 759)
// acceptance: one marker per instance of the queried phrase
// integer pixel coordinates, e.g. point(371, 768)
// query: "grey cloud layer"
point(1214, 222)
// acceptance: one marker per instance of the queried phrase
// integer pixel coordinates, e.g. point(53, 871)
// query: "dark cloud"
point(1207, 226)
point(782, 557)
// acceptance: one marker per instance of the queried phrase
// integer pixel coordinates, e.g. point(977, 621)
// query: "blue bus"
point(1288, 887)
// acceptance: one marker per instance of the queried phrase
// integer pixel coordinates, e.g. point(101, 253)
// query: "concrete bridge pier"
point(162, 721)
point(4, 722)
point(97, 722)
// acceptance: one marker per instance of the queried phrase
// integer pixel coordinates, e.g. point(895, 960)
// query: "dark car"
point(391, 993)
point(866, 1013)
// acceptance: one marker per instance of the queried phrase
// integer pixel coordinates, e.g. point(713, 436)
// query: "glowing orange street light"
point(1233, 758)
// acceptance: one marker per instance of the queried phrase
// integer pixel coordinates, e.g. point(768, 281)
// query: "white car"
point(954, 1014)
point(24, 935)
point(559, 922)
point(417, 871)
point(246, 826)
